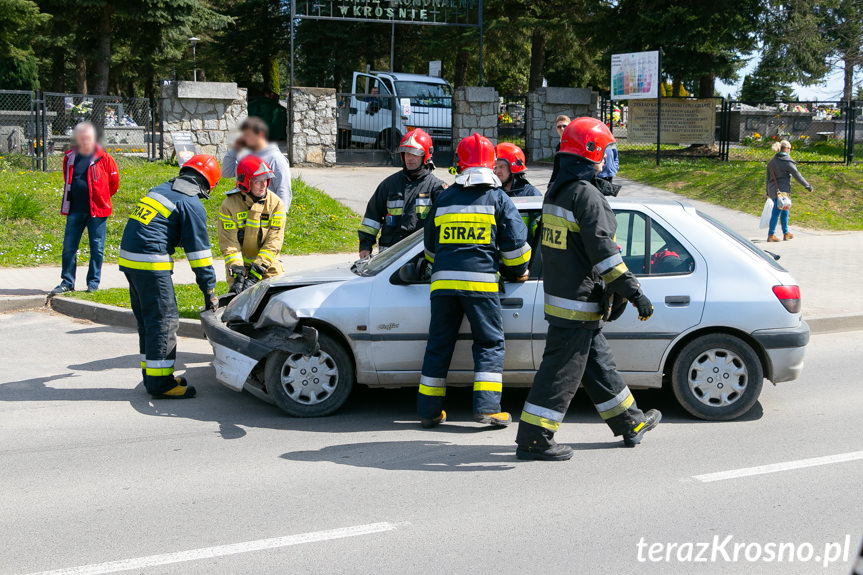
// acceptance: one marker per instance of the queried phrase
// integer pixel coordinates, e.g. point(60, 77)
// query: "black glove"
point(255, 274)
point(239, 275)
point(642, 304)
point(211, 302)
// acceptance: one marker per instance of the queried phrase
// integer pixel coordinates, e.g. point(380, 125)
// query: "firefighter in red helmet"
point(511, 167)
point(402, 201)
point(251, 226)
point(473, 233)
point(582, 271)
point(171, 215)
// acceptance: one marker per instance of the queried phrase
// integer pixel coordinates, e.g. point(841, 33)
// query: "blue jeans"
point(96, 230)
point(781, 216)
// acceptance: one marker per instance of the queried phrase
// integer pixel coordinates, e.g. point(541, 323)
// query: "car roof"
point(535, 203)
point(412, 77)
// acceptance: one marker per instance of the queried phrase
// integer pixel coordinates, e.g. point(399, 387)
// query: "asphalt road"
point(92, 473)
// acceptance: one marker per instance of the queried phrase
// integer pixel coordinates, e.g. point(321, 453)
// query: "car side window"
point(649, 249)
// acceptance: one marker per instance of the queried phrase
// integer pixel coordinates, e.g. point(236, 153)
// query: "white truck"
point(383, 106)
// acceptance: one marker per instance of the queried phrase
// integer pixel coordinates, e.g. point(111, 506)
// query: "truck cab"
point(384, 106)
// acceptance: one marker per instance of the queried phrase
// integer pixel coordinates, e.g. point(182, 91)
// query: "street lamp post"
point(193, 40)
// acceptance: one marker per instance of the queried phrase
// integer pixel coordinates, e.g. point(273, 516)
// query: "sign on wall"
point(184, 146)
point(635, 75)
point(683, 121)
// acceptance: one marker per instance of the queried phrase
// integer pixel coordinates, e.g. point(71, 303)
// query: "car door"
point(368, 114)
point(399, 318)
point(672, 274)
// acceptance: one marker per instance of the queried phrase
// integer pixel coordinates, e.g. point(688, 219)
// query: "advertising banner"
point(683, 121)
point(635, 75)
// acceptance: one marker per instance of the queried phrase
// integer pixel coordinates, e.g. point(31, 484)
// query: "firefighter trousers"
point(573, 355)
point(155, 307)
point(486, 325)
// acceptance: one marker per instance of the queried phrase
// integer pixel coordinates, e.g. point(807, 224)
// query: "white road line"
point(222, 550)
point(777, 467)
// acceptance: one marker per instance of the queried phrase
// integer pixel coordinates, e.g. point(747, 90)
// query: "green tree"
point(766, 84)
point(20, 21)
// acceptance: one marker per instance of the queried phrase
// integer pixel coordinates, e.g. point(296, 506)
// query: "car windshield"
point(423, 94)
point(742, 241)
point(382, 260)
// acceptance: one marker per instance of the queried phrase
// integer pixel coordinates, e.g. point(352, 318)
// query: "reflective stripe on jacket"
point(470, 234)
point(251, 232)
point(406, 199)
point(162, 221)
point(580, 257)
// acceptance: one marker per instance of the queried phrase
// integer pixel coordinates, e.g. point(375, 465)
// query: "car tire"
point(717, 377)
point(311, 386)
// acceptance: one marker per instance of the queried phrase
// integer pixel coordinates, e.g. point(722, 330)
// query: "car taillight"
point(789, 296)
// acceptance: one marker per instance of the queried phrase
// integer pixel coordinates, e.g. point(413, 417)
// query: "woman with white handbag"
point(780, 169)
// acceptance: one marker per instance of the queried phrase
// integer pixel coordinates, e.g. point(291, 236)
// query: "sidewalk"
point(825, 264)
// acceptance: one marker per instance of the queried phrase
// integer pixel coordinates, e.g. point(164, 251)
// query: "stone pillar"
point(212, 111)
point(543, 106)
point(314, 130)
point(476, 110)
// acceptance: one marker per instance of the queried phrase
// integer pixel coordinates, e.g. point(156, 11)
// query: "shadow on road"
point(413, 456)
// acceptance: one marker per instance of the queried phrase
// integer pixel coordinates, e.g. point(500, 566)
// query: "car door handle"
point(681, 300)
point(512, 303)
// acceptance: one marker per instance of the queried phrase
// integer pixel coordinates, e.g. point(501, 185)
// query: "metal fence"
point(512, 120)
point(370, 127)
point(819, 132)
point(36, 127)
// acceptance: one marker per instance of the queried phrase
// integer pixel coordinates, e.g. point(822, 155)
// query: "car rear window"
point(742, 241)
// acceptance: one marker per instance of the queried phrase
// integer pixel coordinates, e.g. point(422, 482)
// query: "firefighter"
point(252, 227)
point(402, 201)
point(171, 215)
point(510, 168)
point(473, 231)
point(583, 270)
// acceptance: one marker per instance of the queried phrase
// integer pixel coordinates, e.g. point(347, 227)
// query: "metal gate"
point(512, 120)
point(371, 125)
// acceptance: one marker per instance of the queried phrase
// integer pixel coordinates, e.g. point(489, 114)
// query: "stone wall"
point(475, 110)
point(315, 129)
point(543, 106)
point(211, 111)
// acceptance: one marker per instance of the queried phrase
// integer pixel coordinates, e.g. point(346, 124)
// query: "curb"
point(112, 315)
point(835, 323)
point(21, 303)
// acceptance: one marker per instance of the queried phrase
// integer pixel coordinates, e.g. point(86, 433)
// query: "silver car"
point(727, 316)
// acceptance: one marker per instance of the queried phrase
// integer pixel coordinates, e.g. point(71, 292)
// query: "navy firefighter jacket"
point(170, 216)
point(470, 234)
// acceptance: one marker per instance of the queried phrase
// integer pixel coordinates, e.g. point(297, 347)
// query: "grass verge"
point(836, 202)
point(31, 226)
point(190, 302)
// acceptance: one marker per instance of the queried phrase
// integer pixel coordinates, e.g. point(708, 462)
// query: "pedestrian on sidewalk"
point(560, 124)
point(254, 139)
point(90, 178)
point(780, 169)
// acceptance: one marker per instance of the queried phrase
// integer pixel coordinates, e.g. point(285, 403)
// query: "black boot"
point(651, 420)
point(433, 422)
point(557, 452)
point(179, 391)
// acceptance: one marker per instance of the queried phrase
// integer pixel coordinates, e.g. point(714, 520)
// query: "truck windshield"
point(428, 95)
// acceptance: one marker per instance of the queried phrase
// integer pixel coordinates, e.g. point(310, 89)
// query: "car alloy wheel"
point(310, 380)
point(718, 377)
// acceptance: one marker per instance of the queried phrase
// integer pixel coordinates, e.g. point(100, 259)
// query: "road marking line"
point(777, 467)
point(222, 550)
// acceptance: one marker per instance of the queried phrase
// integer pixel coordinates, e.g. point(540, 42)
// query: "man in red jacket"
point(90, 178)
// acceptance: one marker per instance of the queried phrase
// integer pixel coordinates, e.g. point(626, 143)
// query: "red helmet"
point(513, 155)
point(207, 166)
point(475, 151)
point(251, 169)
point(586, 138)
point(418, 143)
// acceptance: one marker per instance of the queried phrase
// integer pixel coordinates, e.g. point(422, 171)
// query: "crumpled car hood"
point(244, 305)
